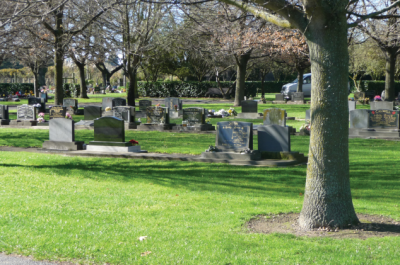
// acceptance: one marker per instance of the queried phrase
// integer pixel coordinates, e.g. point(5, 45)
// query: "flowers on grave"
point(133, 142)
point(108, 109)
point(208, 120)
point(377, 98)
point(73, 108)
point(37, 105)
point(305, 129)
point(373, 112)
point(221, 112)
point(41, 117)
point(158, 105)
point(68, 116)
point(393, 112)
point(176, 107)
point(232, 111)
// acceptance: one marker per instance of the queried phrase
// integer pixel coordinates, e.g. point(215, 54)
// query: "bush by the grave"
point(379, 86)
point(11, 88)
point(199, 89)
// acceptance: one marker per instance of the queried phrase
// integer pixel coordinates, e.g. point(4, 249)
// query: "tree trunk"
point(131, 90)
point(58, 77)
point(389, 75)
point(81, 68)
point(327, 196)
point(36, 83)
point(300, 72)
point(241, 77)
point(42, 76)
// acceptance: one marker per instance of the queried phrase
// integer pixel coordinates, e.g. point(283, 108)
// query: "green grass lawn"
point(95, 209)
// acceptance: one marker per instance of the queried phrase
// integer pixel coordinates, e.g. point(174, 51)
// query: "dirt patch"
point(370, 226)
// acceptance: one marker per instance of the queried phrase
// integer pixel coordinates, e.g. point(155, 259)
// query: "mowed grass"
point(95, 209)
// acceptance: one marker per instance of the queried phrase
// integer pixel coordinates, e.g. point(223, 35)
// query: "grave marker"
point(249, 106)
point(194, 116)
point(359, 118)
point(383, 119)
point(109, 129)
point(143, 104)
point(157, 115)
point(92, 112)
point(375, 105)
point(125, 113)
point(117, 102)
point(275, 116)
point(234, 136)
point(71, 105)
point(4, 112)
point(171, 102)
point(26, 112)
point(57, 112)
point(273, 138)
point(298, 97)
point(279, 97)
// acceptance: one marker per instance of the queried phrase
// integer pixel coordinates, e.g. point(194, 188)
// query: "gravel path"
point(21, 260)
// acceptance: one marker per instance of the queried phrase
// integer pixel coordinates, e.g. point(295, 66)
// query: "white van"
point(288, 89)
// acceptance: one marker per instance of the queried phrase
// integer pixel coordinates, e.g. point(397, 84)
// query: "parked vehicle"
point(290, 88)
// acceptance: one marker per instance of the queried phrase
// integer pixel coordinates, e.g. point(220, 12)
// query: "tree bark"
point(327, 196)
point(58, 77)
point(300, 72)
point(241, 61)
point(81, 68)
point(391, 57)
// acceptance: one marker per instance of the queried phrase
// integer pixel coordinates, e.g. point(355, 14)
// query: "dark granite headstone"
point(352, 105)
point(279, 97)
point(71, 105)
point(376, 105)
point(249, 106)
point(273, 138)
point(92, 112)
point(194, 116)
point(234, 136)
point(298, 97)
point(143, 104)
point(171, 102)
point(61, 130)
point(383, 119)
point(119, 102)
point(157, 115)
point(26, 112)
point(107, 102)
point(57, 112)
point(35, 101)
point(4, 112)
point(125, 113)
point(275, 116)
point(308, 115)
point(359, 118)
point(109, 129)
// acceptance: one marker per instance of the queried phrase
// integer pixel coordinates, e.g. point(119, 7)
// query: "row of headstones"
point(238, 136)
point(296, 97)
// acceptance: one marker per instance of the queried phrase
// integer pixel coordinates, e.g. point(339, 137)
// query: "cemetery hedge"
point(11, 88)
point(199, 89)
point(379, 86)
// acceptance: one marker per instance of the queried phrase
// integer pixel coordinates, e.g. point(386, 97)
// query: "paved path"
point(21, 260)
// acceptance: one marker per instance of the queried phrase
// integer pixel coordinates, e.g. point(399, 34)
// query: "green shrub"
point(379, 86)
point(11, 88)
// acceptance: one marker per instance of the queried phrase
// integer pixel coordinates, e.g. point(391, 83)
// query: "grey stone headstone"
point(57, 112)
point(249, 106)
point(234, 136)
point(194, 116)
point(273, 138)
point(359, 118)
point(107, 102)
point(157, 115)
point(274, 116)
point(308, 115)
point(143, 104)
point(352, 105)
point(4, 112)
point(26, 112)
point(70, 104)
point(109, 129)
point(171, 102)
point(375, 105)
point(44, 96)
point(116, 102)
point(279, 97)
point(383, 119)
point(61, 130)
point(92, 112)
point(298, 96)
point(125, 113)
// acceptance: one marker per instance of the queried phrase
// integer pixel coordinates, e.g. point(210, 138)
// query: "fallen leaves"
point(145, 253)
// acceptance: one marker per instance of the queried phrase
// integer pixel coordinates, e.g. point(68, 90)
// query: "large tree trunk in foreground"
point(327, 198)
point(241, 77)
point(390, 71)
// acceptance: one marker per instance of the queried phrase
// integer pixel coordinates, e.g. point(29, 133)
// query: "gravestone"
point(26, 112)
point(359, 118)
point(194, 116)
point(62, 136)
point(234, 136)
point(107, 102)
point(352, 105)
point(273, 138)
point(157, 115)
point(143, 104)
point(275, 116)
point(71, 105)
point(116, 102)
point(279, 97)
point(298, 97)
point(57, 112)
point(249, 106)
point(4, 115)
point(375, 105)
point(383, 118)
point(35, 101)
point(43, 96)
point(125, 113)
point(308, 115)
point(109, 136)
point(171, 102)
point(92, 112)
